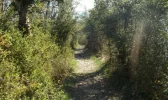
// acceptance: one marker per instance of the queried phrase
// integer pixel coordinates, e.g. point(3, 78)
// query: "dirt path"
point(88, 81)
point(85, 64)
point(89, 85)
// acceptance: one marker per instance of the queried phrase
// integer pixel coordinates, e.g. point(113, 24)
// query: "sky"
point(84, 5)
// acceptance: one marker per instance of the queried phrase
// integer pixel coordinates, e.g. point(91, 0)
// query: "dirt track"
point(89, 84)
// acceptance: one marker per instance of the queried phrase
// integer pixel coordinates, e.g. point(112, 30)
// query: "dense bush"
point(136, 32)
point(32, 69)
point(33, 64)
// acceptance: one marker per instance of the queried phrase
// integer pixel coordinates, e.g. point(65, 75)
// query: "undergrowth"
point(32, 67)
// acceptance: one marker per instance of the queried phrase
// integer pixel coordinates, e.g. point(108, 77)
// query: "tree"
point(2, 5)
point(138, 30)
point(64, 24)
point(22, 7)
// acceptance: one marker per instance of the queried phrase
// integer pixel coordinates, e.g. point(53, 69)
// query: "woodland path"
point(85, 64)
point(89, 84)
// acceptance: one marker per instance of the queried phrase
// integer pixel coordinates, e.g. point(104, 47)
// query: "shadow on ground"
point(94, 86)
point(82, 54)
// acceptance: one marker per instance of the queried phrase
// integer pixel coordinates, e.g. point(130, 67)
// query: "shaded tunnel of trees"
point(38, 39)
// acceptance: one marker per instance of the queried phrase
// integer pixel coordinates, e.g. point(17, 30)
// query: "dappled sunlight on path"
point(85, 64)
point(88, 82)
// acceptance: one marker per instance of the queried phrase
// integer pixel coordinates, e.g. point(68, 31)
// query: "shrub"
point(30, 66)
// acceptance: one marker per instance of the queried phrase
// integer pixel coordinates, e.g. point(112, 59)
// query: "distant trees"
point(64, 24)
point(95, 28)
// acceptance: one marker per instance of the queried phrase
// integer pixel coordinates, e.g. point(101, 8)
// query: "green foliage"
point(34, 66)
point(30, 69)
point(64, 26)
point(136, 33)
point(7, 20)
point(95, 27)
point(82, 39)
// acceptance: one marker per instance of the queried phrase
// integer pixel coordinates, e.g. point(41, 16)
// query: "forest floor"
point(87, 82)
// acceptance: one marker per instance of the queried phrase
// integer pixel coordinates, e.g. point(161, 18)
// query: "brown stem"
point(23, 26)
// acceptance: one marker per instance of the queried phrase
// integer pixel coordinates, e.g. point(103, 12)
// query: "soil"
point(89, 85)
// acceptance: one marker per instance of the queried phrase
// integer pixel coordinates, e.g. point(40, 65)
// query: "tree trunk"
point(122, 56)
point(23, 25)
point(47, 14)
point(47, 11)
point(2, 5)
